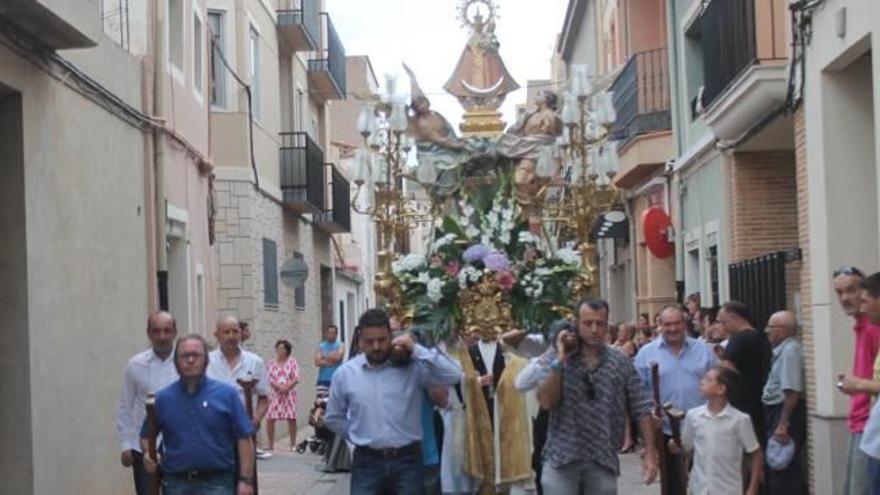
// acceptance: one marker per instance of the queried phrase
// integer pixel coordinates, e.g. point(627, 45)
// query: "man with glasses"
point(847, 285)
point(586, 393)
point(682, 361)
point(204, 426)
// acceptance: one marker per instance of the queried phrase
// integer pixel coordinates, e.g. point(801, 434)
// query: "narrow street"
point(289, 473)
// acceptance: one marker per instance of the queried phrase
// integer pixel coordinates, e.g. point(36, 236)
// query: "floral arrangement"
point(486, 240)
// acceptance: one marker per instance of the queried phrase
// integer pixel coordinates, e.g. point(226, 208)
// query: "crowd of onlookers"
point(713, 401)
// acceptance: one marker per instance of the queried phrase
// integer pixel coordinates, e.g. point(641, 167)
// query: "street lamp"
point(589, 162)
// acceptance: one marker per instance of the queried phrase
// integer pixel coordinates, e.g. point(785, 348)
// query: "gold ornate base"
point(482, 123)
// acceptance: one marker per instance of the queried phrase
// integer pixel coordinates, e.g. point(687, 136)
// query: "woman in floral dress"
point(283, 377)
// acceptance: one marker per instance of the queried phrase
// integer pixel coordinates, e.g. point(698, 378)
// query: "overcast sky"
point(427, 35)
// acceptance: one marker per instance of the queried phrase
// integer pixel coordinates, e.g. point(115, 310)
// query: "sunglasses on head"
point(848, 270)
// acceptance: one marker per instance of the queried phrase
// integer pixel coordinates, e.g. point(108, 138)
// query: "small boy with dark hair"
point(718, 434)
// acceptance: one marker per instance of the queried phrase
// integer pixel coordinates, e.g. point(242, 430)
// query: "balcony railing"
point(337, 219)
point(302, 173)
point(728, 39)
point(299, 23)
point(641, 96)
point(327, 69)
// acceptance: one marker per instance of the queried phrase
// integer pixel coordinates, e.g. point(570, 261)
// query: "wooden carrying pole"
point(658, 428)
point(248, 386)
point(676, 416)
point(152, 434)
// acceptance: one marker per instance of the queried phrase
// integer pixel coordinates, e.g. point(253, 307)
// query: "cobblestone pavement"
point(289, 473)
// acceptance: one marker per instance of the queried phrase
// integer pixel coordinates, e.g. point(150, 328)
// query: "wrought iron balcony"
point(327, 69)
point(641, 96)
point(302, 173)
point(299, 24)
point(337, 219)
point(728, 39)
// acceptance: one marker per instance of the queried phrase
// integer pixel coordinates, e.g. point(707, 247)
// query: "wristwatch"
point(248, 480)
point(555, 364)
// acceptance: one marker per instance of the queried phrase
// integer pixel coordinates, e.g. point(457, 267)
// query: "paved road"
point(289, 473)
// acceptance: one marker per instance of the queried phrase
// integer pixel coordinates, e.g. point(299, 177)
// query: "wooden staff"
point(676, 416)
point(248, 386)
point(152, 434)
point(658, 428)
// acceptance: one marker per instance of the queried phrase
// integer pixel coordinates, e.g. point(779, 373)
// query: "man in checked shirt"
point(586, 393)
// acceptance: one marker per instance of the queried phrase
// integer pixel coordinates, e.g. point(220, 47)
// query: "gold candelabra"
point(589, 163)
point(381, 172)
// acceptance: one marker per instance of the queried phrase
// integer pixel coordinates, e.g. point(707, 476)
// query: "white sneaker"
point(262, 454)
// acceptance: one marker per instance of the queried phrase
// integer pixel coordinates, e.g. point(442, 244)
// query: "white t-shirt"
point(718, 443)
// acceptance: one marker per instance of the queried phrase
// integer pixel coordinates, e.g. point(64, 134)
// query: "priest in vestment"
point(498, 443)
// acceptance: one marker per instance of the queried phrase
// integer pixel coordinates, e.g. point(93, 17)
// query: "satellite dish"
point(294, 273)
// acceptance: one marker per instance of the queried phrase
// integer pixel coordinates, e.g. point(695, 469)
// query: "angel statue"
point(523, 142)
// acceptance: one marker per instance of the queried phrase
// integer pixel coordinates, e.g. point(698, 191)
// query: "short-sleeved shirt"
point(249, 366)
point(718, 443)
point(200, 431)
point(786, 372)
point(325, 373)
point(870, 443)
point(583, 430)
point(867, 344)
point(750, 352)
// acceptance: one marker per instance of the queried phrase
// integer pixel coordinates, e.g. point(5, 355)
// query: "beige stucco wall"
point(840, 109)
point(85, 283)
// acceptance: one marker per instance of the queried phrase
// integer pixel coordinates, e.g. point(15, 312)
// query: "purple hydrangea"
point(477, 252)
point(497, 261)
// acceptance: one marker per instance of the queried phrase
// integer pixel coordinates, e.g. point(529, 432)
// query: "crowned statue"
point(480, 80)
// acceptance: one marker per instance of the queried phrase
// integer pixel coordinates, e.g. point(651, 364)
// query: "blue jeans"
point(217, 484)
point(874, 475)
point(572, 479)
point(372, 474)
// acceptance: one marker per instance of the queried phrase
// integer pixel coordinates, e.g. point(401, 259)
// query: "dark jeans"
point(373, 474)
point(791, 480)
point(216, 484)
point(143, 481)
point(874, 475)
point(539, 438)
point(674, 474)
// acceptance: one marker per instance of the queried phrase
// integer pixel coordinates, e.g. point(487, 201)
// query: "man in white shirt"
point(146, 373)
point(231, 363)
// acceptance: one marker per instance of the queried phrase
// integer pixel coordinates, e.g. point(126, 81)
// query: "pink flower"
point(436, 262)
point(452, 268)
point(505, 280)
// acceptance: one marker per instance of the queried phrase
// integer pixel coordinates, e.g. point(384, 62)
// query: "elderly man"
point(586, 393)
point(682, 361)
point(146, 373)
point(231, 363)
point(203, 426)
point(784, 406)
point(377, 406)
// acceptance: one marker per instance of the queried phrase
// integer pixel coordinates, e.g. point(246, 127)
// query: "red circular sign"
point(655, 226)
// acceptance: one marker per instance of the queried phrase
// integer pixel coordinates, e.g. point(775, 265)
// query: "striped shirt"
point(584, 429)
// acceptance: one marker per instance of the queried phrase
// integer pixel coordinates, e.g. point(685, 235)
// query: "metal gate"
point(760, 284)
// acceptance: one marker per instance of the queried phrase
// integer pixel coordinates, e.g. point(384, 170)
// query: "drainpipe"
point(159, 156)
point(673, 181)
point(633, 255)
point(148, 66)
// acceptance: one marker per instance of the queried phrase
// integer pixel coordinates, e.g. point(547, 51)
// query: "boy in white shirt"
point(718, 434)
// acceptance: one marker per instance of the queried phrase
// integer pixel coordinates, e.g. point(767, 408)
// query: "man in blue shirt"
point(202, 423)
point(683, 362)
point(378, 406)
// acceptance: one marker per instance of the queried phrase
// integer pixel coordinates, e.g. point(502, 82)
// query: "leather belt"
point(191, 476)
point(414, 448)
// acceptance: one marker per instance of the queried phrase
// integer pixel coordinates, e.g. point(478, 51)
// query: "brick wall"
point(244, 218)
point(806, 316)
point(763, 210)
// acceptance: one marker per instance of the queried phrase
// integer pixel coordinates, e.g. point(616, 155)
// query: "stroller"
point(319, 442)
